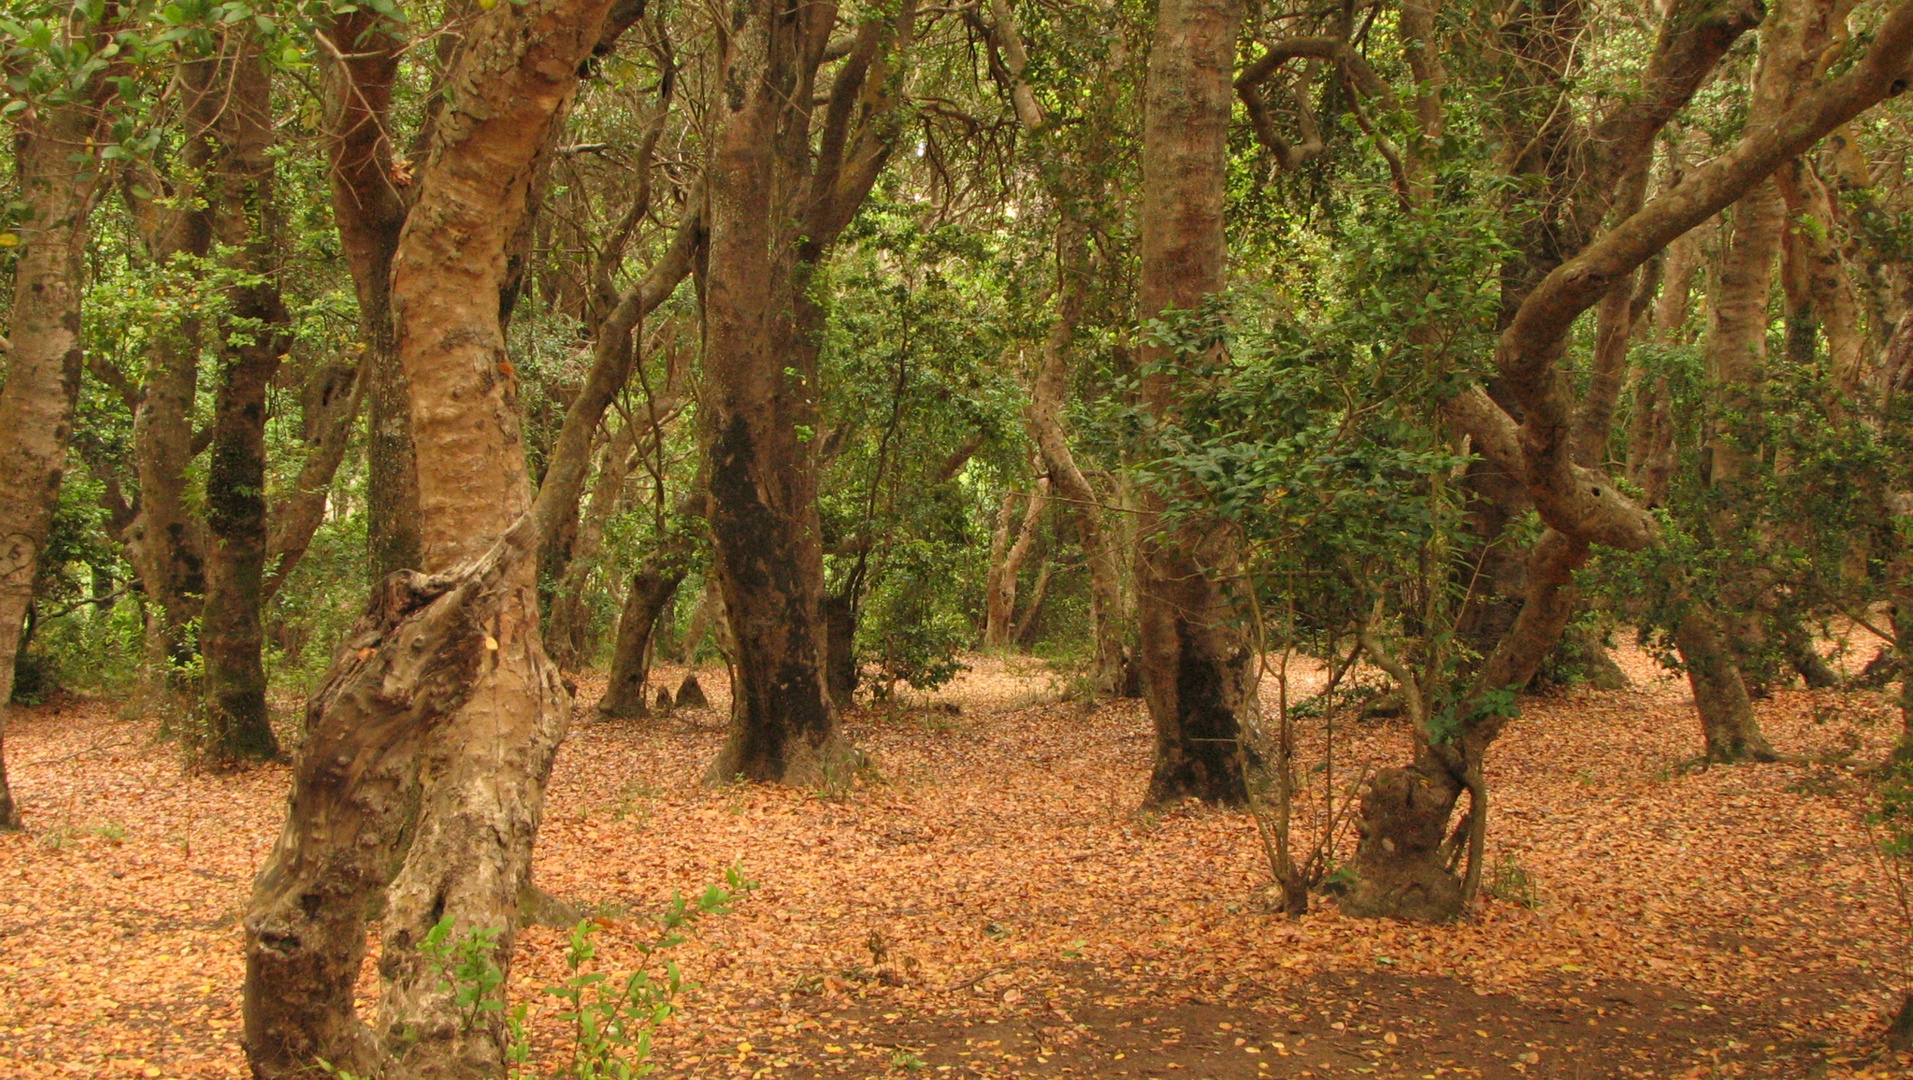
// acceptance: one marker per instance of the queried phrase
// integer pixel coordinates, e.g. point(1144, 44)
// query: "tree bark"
point(1720, 696)
point(1198, 666)
point(430, 744)
point(333, 399)
point(231, 637)
point(778, 199)
point(44, 366)
point(166, 543)
point(1007, 564)
point(650, 591)
point(369, 206)
point(1043, 418)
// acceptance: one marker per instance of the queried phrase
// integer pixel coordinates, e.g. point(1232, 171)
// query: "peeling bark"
point(429, 747)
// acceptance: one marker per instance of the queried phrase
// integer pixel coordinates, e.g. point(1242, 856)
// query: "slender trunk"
point(1650, 435)
point(1198, 665)
point(369, 206)
point(431, 741)
point(1025, 633)
point(43, 371)
point(333, 399)
point(231, 638)
point(710, 603)
point(567, 624)
point(1044, 420)
point(1006, 565)
point(167, 543)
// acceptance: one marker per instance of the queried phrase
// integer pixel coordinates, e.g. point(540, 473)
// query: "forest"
point(988, 538)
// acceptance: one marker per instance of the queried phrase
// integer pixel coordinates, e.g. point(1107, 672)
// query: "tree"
point(779, 196)
point(58, 187)
point(429, 798)
point(1199, 670)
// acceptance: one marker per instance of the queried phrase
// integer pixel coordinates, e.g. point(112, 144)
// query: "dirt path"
point(994, 905)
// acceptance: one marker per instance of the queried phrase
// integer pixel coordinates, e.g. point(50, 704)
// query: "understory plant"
point(612, 1014)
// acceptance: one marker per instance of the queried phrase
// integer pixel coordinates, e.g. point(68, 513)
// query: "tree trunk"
point(651, 590)
point(430, 744)
point(1025, 633)
point(1198, 664)
point(369, 206)
point(1650, 434)
point(1044, 420)
point(1007, 564)
point(769, 182)
point(1726, 713)
point(567, 622)
point(840, 647)
point(43, 371)
point(650, 593)
point(166, 543)
point(245, 222)
point(1404, 862)
point(333, 399)
point(710, 603)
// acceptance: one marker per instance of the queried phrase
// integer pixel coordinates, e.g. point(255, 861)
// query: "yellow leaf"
point(8, 239)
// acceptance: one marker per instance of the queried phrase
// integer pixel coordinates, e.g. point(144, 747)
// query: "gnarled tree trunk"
point(424, 771)
point(1198, 666)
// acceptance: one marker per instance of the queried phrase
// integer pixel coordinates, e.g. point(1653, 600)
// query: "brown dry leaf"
point(995, 905)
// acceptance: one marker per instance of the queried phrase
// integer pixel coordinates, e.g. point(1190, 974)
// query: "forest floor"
point(992, 903)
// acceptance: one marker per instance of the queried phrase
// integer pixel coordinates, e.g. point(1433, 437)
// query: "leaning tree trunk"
point(429, 746)
point(1198, 664)
point(1043, 418)
point(1720, 696)
point(650, 592)
point(1006, 565)
point(231, 637)
point(43, 372)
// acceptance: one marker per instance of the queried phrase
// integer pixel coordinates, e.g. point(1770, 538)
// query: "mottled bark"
point(1198, 666)
point(780, 194)
point(430, 744)
point(239, 193)
point(43, 365)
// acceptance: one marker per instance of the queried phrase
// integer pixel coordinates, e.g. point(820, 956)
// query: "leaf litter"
point(989, 901)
